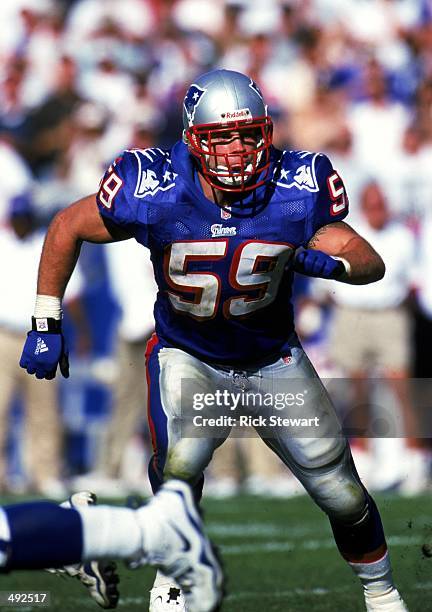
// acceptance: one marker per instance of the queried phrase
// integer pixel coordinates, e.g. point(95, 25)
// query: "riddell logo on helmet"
point(242, 113)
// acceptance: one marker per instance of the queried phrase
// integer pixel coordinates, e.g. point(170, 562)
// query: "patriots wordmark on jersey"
point(223, 274)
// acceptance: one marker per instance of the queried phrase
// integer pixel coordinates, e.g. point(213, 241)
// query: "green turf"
point(279, 556)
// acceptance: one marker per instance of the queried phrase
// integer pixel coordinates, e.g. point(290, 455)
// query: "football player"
point(166, 533)
point(228, 219)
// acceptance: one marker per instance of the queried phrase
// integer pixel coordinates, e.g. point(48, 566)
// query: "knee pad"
point(315, 453)
point(362, 541)
point(337, 489)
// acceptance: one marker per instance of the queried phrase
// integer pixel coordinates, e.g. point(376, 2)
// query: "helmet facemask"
point(239, 169)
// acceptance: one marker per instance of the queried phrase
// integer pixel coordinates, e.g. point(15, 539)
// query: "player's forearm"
point(59, 256)
point(340, 240)
point(365, 264)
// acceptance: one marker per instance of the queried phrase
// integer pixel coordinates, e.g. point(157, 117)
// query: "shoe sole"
point(104, 572)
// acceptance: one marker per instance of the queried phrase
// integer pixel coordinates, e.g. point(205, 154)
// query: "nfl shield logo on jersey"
point(225, 213)
point(192, 99)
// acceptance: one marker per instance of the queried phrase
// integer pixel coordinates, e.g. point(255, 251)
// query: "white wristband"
point(47, 306)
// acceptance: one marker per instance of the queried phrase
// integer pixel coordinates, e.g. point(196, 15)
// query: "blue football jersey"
point(223, 274)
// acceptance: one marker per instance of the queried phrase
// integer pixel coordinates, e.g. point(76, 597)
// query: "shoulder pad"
point(154, 171)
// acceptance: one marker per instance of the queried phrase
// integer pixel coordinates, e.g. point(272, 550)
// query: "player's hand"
point(44, 351)
point(319, 264)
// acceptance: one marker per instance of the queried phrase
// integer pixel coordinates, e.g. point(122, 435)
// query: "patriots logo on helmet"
point(256, 89)
point(192, 99)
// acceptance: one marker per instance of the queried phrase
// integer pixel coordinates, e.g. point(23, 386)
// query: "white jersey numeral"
point(204, 286)
point(337, 194)
point(255, 266)
point(109, 189)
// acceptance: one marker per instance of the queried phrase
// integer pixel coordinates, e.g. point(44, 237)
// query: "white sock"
point(376, 577)
point(110, 532)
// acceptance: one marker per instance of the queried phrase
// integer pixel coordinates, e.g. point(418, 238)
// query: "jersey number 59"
point(255, 267)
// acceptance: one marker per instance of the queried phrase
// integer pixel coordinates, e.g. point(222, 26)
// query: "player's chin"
point(233, 179)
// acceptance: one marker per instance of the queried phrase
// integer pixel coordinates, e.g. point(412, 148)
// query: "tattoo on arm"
point(322, 230)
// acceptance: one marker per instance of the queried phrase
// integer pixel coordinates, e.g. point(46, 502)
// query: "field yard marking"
point(289, 546)
point(128, 601)
point(269, 529)
point(317, 591)
point(86, 602)
point(423, 586)
point(257, 529)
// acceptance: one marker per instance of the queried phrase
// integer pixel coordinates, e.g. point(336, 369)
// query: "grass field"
point(279, 556)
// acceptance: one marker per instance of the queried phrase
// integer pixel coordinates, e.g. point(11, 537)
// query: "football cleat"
point(174, 542)
point(99, 577)
point(387, 602)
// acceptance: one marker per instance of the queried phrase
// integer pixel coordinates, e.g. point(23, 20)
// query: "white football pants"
point(186, 393)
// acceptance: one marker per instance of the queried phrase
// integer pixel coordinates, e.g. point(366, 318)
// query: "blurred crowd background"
point(82, 80)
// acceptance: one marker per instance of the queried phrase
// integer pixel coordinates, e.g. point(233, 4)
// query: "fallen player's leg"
point(166, 533)
point(99, 577)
